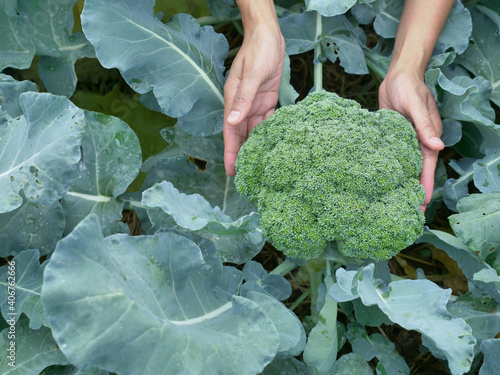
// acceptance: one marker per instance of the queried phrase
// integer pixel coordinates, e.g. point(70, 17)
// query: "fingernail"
point(233, 116)
point(437, 141)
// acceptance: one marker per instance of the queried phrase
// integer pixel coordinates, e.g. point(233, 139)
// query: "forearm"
point(257, 12)
point(419, 29)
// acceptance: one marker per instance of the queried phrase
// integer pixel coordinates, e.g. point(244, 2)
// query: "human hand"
point(406, 92)
point(251, 88)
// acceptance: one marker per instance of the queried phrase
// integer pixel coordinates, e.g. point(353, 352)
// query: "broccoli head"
point(325, 169)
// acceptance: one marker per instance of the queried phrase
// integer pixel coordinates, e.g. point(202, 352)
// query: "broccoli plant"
point(325, 169)
point(188, 286)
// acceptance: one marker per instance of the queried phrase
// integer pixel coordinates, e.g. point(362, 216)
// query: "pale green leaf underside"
point(35, 350)
point(491, 365)
point(329, 8)
point(193, 212)
point(418, 305)
point(111, 159)
point(43, 27)
point(179, 62)
point(39, 150)
point(31, 226)
point(28, 286)
point(165, 292)
point(477, 223)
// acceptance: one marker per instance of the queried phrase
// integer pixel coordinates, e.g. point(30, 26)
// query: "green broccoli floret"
point(325, 169)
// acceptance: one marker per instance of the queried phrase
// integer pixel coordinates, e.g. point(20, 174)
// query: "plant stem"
point(437, 194)
point(132, 205)
point(318, 66)
point(284, 268)
point(315, 269)
point(214, 20)
point(328, 268)
point(376, 68)
point(299, 300)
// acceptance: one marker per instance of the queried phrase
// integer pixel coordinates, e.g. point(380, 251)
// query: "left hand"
point(406, 92)
point(251, 88)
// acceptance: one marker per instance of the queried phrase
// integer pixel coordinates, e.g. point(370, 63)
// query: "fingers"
point(427, 124)
point(234, 136)
point(428, 170)
point(239, 93)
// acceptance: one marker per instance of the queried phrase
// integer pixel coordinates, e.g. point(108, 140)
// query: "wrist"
point(255, 13)
point(421, 23)
point(413, 59)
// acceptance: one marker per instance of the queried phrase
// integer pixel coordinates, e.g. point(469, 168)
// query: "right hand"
point(406, 92)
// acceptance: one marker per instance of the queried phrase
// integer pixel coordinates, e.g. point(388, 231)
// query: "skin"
point(404, 89)
point(251, 89)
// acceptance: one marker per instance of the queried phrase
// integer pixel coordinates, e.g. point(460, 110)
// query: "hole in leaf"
point(201, 164)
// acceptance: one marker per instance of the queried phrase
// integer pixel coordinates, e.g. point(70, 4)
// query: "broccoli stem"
point(299, 300)
point(318, 66)
point(284, 268)
point(314, 268)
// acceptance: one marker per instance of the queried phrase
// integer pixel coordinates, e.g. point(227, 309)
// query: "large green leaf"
point(468, 261)
point(371, 346)
point(194, 165)
point(223, 8)
point(237, 240)
point(482, 314)
point(292, 336)
point(477, 223)
point(330, 8)
point(111, 159)
point(28, 278)
point(387, 20)
point(287, 94)
point(257, 278)
point(193, 212)
point(482, 58)
point(16, 48)
point(484, 172)
point(491, 365)
point(10, 89)
point(456, 189)
point(419, 305)
point(31, 226)
point(145, 122)
point(156, 304)
point(39, 150)
point(179, 62)
point(288, 366)
point(338, 39)
point(476, 138)
point(351, 363)
point(34, 350)
point(487, 171)
point(461, 97)
point(45, 26)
